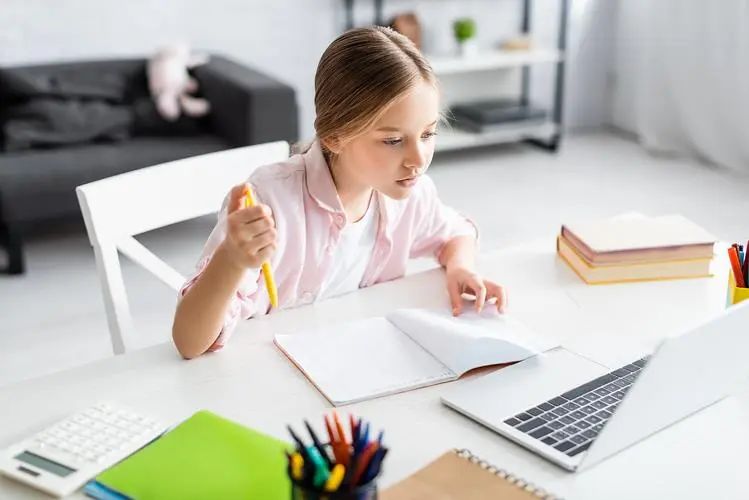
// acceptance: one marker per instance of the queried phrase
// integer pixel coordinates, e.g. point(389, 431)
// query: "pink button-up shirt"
point(309, 217)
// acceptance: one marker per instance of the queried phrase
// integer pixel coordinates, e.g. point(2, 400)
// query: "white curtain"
point(687, 66)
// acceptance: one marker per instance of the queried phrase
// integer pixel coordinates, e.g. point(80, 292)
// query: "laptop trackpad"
point(511, 390)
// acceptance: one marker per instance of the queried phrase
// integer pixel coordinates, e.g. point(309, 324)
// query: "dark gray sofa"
point(37, 186)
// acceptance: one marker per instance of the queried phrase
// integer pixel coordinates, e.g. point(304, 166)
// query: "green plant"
point(464, 29)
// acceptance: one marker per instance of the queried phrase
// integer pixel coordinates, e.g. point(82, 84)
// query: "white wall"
point(627, 48)
point(285, 38)
point(590, 53)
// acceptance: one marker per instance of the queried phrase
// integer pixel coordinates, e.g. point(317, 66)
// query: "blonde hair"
point(359, 75)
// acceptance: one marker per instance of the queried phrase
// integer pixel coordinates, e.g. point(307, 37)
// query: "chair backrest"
point(117, 208)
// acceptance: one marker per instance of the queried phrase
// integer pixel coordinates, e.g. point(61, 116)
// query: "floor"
point(53, 317)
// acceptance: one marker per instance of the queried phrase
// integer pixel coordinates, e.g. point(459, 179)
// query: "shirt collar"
point(321, 187)
point(319, 180)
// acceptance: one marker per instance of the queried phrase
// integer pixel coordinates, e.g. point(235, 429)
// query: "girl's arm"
point(249, 241)
point(458, 257)
point(200, 314)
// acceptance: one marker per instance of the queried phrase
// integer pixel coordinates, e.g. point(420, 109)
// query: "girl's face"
point(397, 150)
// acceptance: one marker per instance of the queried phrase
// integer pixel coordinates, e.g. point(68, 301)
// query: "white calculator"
point(63, 457)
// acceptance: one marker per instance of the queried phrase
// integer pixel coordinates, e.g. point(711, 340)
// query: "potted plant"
point(465, 34)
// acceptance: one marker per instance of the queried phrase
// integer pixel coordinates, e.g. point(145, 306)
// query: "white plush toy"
point(171, 85)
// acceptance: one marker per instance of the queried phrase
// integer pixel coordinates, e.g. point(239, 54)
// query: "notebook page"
point(360, 360)
point(472, 339)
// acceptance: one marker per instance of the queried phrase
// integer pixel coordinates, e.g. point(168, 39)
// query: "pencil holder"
point(363, 492)
point(735, 294)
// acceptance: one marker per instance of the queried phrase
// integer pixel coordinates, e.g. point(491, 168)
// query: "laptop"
point(576, 412)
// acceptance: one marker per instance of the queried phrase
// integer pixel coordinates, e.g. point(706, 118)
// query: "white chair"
point(117, 208)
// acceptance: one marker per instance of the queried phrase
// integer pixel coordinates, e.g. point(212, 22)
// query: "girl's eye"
point(395, 142)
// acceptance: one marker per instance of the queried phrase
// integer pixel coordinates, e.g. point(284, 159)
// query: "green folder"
point(206, 456)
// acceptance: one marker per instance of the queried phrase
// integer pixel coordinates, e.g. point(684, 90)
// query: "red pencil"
point(733, 256)
point(746, 263)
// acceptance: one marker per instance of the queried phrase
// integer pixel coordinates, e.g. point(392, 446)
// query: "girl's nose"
point(415, 158)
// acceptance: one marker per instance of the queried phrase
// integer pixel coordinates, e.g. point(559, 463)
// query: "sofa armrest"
point(247, 107)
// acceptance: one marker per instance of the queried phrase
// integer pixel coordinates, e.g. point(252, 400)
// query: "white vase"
point(468, 48)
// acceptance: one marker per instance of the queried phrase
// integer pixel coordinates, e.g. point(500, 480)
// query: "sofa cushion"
point(51, 122)
point(114, 81)
point(41, 184)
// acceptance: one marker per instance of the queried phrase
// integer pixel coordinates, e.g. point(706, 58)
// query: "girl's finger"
point(262, 240)
point(479, 290)
point(250, 214)
point(266, 252)
point(499, 292)
point(255, 228)
point(236, 198)
point(453, 289)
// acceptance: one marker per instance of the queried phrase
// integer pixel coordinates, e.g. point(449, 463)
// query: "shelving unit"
point(544, 133)
point(498, 59)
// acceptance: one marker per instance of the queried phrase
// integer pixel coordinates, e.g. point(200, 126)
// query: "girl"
point(347, 213)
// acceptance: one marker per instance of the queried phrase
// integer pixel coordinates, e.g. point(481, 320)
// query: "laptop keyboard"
point(571, 421)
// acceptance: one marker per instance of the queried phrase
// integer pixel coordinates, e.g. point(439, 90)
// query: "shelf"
point(497, 59)
point(451, 139)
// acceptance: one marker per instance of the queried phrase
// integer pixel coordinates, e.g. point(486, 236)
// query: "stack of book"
point(636, 248)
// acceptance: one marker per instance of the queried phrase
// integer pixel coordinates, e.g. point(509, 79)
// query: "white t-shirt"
point(352, 254)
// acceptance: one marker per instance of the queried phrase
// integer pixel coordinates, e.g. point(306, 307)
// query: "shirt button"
point(339, 220)
point(330, 249)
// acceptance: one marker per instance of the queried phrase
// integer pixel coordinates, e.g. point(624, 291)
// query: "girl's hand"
point(461, 280)
point(251, 235)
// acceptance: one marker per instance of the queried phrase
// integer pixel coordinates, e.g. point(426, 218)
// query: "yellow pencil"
point(335, 478)
point(270, 283)
point(297, 464)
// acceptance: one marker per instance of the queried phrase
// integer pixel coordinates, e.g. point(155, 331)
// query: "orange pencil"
point(363, 461)
point(733, 256)
point(331, 431)
point(342, 449)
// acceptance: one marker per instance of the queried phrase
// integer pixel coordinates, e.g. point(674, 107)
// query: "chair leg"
point(11, 238)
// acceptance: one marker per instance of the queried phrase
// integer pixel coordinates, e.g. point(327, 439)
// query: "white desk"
point(253, 383)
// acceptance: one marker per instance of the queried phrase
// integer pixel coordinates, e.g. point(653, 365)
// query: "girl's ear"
point(332, 144)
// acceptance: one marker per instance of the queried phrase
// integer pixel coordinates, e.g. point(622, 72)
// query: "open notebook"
point(407, 349)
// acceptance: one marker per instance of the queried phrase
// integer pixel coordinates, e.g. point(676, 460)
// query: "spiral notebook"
point(460, 475)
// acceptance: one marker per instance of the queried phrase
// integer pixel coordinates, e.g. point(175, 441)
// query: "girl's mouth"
point(408, 181)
